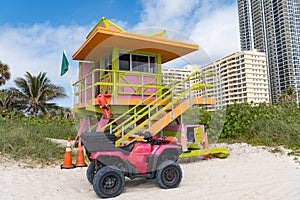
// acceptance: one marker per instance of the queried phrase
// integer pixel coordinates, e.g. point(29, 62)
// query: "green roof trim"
point(105, 23)
point(160, 34)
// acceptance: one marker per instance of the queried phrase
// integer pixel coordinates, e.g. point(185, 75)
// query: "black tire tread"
point(97, 185)
point(160, 170)
point(90, 172)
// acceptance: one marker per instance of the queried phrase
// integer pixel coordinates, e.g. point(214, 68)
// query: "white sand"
point(248, 173)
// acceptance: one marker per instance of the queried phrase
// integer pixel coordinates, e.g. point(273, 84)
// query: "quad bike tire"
point(169, 174)
point(90, 172)
point(108, 182)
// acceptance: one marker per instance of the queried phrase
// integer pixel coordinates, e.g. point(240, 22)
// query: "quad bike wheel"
point(90, 172)
point(169, 174)
point(108, 182)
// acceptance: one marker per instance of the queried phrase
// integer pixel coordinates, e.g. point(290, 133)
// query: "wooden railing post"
point(115, 88)
point(172, 100)
point(85, 92)
point(190, 92)
point(149, 116)
point(142, 82)
point(122, 135)
point(205, 90)
point(93, 88)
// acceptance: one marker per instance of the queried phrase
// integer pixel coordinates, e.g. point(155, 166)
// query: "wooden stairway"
point(155, 114)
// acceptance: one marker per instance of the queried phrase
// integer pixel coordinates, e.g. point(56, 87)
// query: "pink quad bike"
point(154, 159)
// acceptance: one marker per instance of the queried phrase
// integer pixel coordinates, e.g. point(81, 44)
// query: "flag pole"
point(65, 68)
point(70, 79)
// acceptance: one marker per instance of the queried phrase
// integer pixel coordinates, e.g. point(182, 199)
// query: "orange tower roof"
point(106, 35)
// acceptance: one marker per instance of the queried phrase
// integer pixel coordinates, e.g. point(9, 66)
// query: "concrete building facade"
point(171, 74)
point(273, 26)
point(239, 77)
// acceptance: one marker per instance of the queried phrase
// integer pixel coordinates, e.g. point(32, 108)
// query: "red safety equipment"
point(103, 104)
point(80, 156)
point(67, 164)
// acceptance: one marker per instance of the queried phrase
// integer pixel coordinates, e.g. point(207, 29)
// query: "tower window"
point(137, 62)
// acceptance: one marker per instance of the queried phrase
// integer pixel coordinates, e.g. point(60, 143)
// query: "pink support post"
point(103, 121)
point(183, 138)
point(82, 128)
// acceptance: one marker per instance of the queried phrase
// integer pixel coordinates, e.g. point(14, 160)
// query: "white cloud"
point(217, 31)
point(170, 14)
point(212, 24)
point(39, 48)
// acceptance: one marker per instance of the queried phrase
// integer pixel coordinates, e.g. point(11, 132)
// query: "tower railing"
point(114, 81)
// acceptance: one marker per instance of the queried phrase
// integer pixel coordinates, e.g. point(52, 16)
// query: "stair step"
point(153, 123)
point(170, 108)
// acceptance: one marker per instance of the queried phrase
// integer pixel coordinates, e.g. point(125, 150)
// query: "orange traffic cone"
point(80, 156)
point(68, 157)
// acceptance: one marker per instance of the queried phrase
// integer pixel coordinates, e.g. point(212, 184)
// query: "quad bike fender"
point(142, 149)
point(158, 150)
point(161, 154)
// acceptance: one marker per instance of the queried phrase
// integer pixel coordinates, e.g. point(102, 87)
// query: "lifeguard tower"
point(125, 70)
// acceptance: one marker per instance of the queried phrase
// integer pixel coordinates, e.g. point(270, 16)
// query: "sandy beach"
point(248, 173)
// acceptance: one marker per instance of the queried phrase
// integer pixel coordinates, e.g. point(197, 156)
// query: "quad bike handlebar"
point(150, 138)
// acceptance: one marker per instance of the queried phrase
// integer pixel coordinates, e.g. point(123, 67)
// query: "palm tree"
point(4, 73)
point(37, 91)
point(10, 102)
point(6, 99)
point(289, 95)
point(60, 113)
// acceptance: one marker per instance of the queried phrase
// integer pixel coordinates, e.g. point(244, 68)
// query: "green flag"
point(64, 64)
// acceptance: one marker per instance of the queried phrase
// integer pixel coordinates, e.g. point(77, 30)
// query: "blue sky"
point(67, 12)
point(34, 33)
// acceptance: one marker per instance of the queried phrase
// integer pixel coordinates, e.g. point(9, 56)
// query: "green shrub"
point(274, 132)
point(24, 138)
point(263, 124)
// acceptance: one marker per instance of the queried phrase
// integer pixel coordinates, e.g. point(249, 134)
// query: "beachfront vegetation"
point(288, 95)
point(257, 124)
point(24, 137)
point(4, 73)
point(33, 95)
point(37, 93)
point(28, 117)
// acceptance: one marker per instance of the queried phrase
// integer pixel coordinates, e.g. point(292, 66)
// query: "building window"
point(152, 64)
point(140, 63)
point(108, 63)
point(137, 62)
point(124, 62)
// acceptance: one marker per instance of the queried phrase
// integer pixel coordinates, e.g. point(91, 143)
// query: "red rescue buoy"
point(104, 105)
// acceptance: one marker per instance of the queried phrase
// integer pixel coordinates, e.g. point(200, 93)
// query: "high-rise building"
point(170, 75)
point(273, 26)
point(239, 77)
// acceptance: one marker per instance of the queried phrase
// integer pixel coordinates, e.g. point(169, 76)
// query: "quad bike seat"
point(128, 148)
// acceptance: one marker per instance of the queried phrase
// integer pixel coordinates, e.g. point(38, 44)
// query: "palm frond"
point(37, 91)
